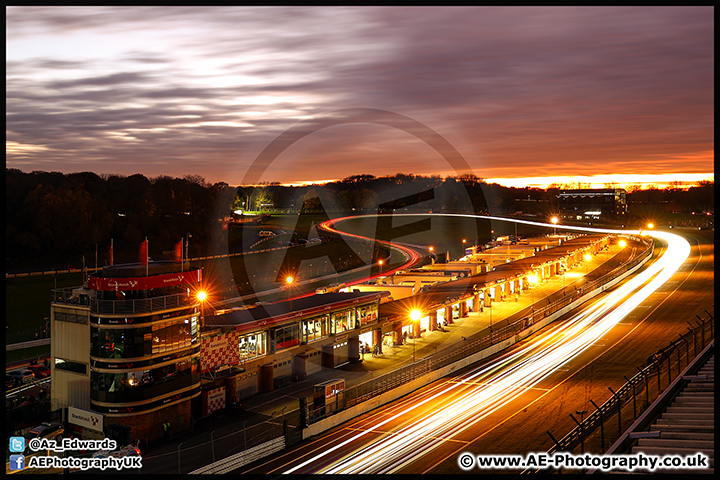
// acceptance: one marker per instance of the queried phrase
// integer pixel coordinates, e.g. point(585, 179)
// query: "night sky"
point(518, 91)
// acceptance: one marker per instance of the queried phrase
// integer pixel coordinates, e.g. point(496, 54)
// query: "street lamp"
point(532, 283)
point(380, 262)
point(288, 282)
point(587, 258)
point(554, 221)
point(414, 316)
point(202, 296)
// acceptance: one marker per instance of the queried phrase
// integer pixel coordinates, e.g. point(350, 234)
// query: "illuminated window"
point(342, 321)
point(314, 328)
point(253, 345)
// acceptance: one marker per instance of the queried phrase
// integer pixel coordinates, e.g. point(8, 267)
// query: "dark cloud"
point(551, 89)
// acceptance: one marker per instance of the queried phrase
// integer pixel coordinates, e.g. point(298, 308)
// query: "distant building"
point(592, 203)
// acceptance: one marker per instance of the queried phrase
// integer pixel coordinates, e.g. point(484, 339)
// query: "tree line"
point(55, 219)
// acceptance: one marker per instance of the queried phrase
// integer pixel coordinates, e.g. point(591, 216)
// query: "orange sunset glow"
point(525, 96)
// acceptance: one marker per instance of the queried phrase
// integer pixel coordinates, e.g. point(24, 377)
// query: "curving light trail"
point(412, 257)
point(498, 384)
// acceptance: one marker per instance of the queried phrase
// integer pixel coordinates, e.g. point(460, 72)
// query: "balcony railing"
point(143, 305)
point(70, 296)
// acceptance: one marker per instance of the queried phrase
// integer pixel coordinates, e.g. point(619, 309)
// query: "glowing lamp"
point(289, 280)
point(202, 296)
point(415, 315)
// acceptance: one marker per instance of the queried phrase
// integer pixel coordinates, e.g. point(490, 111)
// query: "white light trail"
point(498, 384)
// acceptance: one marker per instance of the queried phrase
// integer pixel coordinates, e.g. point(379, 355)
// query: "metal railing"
point(375, 386)
point(143, 305)
point(66, 296)
point(660, 367)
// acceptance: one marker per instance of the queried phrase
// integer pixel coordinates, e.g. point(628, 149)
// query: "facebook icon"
point(17, 462)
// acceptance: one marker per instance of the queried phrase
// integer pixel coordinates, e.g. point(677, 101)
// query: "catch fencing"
point(613, 416)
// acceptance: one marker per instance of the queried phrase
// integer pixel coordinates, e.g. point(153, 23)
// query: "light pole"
point(491, 309)
point(380, 262)
point(554, 221)
point(187, 247)
point(588, 257)
point(414, 316)
point(202, 296)
point(289, 281)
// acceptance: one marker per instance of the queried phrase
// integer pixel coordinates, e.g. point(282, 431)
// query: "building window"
point(285, 337)
point(69, 366)
point(314, 328)
point(252, 346)
point(172, 336)
point(367, 314)
point(147, 384)
point(143, 341)
point(342, 321)
point(70, 317)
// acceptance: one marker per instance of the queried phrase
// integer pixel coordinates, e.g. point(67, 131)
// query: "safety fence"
point(223, 442)
point(612, 417)
point(233, 462)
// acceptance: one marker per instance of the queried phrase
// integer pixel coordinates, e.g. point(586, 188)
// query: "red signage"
point(142, 283)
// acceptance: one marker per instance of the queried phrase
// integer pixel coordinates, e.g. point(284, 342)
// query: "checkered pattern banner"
point(217, 351)
point(215, 400)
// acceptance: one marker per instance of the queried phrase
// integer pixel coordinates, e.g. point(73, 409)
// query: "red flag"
point(144, 252)
point(178, 251)
point(111, 252)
